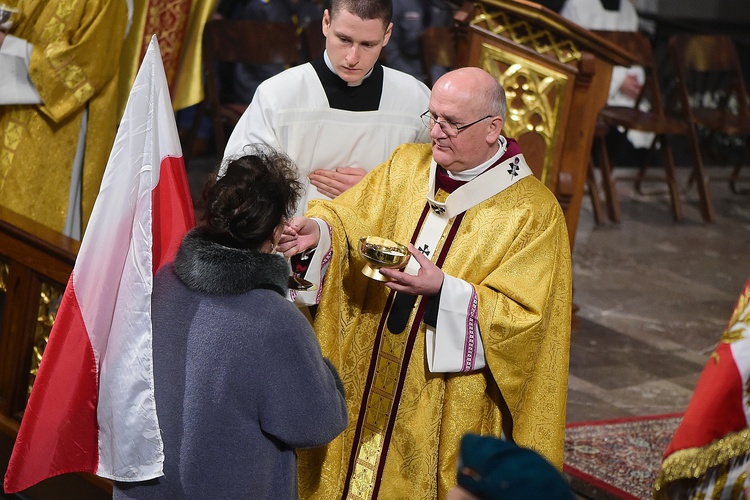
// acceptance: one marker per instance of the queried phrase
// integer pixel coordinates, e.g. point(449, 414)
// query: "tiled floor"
point(654, 298)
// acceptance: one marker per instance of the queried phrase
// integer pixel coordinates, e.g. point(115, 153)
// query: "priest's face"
point(353, 44)
point(463, 135)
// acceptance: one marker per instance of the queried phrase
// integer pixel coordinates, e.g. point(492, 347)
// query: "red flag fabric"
point(709, 454)
point(92, 405)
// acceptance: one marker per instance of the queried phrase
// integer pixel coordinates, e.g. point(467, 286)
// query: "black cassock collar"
point(611, 4)
point(364, 97)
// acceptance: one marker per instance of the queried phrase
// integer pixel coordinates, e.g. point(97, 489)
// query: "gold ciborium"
point(379, 253)
point(8, 16)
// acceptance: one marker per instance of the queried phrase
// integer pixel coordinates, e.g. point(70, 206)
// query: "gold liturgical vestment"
point(178, 25)
point(405, 423)
point(74, 65)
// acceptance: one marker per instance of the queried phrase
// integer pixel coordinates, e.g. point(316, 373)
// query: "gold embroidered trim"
point(380, 403)
point(170, 20)
point(524, 33)
point(14, 129)
point(695, 462)
point(534, 95)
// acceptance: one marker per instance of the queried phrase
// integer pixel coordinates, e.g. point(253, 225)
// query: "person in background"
point(59, 67)
point(242, 80)
point(342, 114)
point(493, 469)
point(611, 15)
point(239, 378)
point(410, 19)
point(473, 336)
point(626, 82)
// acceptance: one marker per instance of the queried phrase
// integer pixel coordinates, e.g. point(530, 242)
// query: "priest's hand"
point(631, 87)
point(334, 182)
point(299, 234)
point(428, 280)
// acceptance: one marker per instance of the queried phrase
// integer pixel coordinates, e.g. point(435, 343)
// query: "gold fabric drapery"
point(178, 25)
point(74, 65)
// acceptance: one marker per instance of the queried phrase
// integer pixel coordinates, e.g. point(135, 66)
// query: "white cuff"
point(316, 270)
point(15, 85)
point(455, 345)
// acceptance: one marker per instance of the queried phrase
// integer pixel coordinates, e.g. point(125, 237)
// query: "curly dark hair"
point(257, 192)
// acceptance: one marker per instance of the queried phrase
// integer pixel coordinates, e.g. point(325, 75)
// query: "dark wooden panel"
point(32, 258)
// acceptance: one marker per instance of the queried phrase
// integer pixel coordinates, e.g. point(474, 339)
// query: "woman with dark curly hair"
point(240, 381)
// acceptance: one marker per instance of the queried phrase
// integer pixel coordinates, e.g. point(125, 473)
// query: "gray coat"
point(240, 381)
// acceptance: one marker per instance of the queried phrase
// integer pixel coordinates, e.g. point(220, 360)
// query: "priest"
point(58, 122)
point(472, 336)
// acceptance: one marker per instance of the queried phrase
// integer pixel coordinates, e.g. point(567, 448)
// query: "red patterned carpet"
point(617, 458)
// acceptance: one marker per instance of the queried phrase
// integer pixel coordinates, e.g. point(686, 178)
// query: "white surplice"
point(290, 112)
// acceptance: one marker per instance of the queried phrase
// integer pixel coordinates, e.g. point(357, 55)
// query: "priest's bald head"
point(466, 115)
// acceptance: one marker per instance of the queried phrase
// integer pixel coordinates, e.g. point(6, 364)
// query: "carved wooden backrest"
point(556, 77)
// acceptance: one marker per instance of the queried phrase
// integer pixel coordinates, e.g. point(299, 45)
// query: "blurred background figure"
point(59, 68)
point(241, 81)
point(178, 25)
point(626, 82)
point(611, 15)
point(492, 469)
point(410, 19)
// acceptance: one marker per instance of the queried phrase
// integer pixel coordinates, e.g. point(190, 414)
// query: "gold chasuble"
point(405, 423)
point(178, 25)
point(74, 66)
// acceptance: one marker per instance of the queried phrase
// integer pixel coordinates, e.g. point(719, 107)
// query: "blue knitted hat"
point(492, 469)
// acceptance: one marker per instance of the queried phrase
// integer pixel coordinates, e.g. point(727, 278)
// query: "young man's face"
point(353, 44)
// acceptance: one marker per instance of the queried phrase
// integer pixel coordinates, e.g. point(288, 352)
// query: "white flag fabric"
point(92, 406)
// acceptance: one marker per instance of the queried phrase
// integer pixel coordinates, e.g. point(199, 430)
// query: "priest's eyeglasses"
point(449, 128)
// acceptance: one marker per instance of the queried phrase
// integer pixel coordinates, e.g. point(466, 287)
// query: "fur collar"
point(208, 267)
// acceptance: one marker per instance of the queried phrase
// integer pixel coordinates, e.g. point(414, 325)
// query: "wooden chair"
point(613, 206)
point(438, 46)
point(655, 121)
point(240, 41)
point(712, 96)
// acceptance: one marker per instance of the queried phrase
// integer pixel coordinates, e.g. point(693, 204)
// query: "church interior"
point(652, 295)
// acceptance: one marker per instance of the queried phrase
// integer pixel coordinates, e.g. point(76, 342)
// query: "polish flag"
point(710, 450)
point(92, 405)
